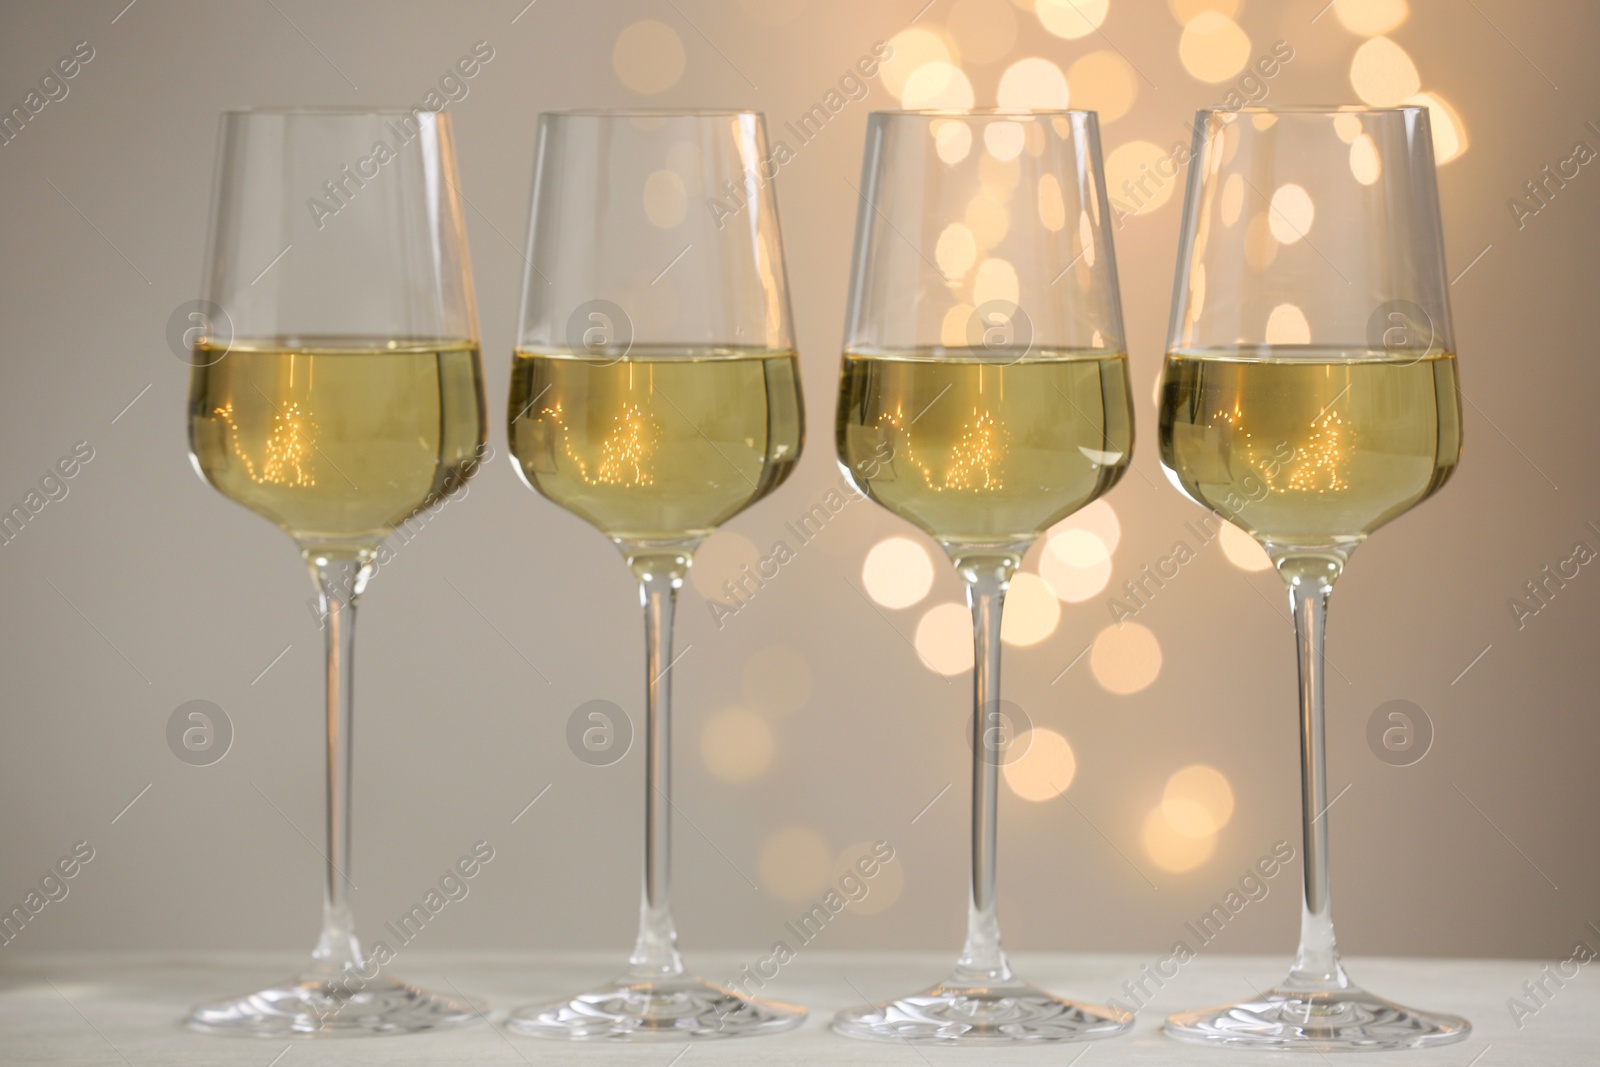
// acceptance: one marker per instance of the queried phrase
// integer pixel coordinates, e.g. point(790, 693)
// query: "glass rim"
point(651, 112)
point(1313, 109)
point(332, 110)
point(982, 112)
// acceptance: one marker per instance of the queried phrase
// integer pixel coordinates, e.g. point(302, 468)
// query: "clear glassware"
point(984, 396)
point(336, 391)
point(655, 393)
point(1309, 397)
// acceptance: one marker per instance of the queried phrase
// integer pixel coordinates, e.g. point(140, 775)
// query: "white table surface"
point(126, 1010)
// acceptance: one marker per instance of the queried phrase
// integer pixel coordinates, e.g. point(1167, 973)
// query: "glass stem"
point(1310, 579)
point(983, 961)
point(660, 573)
point(339, 582)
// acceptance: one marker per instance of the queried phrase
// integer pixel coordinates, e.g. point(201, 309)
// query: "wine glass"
point(983, 397)
point(1309, 396)
point(655, 394)
point(336, 391)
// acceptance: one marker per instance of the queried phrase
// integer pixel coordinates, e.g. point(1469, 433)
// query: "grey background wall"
point(807, 722)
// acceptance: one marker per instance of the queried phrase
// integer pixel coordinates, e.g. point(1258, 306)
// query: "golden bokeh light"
point(1125, 658)
point(1052, 208)
point(1213, 48)
point(987, 218)
point(1365, 165)
point(1070, 582)
point(952, 140)
point(1034, 84)
point(1135, 178)
point(1370, 18)
point(1449, 133)
point(724, 557)
point(953, 330)
point(1103, 82)
point(996, 280)
point(1046, 767)
point(1097, 517)
point(1170, 850)
point(1382, 74)
point(985, 30)
point(648, 56)
point(912, 48)
point(1347, 126)
point(1003, 140)
point(882, 889)
point(1242, 550)
point(897, 572)
point(1287, 325)
point(956, 251)
point(1198, 801)
point(776, 681)
point(937, 85)
point(795, 864)
point(1079, 547)
point(1071, 19)
point(1260, 247)
point(736, 745)
point(1032, 611)
point(1232, 199)
point(944, 639)
point(666, 201)
point(1291, 214)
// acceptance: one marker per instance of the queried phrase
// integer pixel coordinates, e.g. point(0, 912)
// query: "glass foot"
point(660, 1009)
point(314, 1006)
point(955, 1015)
point(1346, 1020)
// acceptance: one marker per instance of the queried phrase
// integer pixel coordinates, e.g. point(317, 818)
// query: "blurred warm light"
point(1079, 547)
point(952, 140)
point(1263, 120)
point(1185, 10)
point(1033, 83)
point(1232, 199)
point(1242, 550)
point(984, 29)
point(736, 745)
point(953, 330)
point(723, 557)
point(1070, 582)
point(1125, 658)
point(665, 199)
point(956, 251)
point(1052, 209)
point(1369, 18)
point(996, 280)
point(1003, 140)
point(1287, 325)
point(1292, 213)
point(648, 56)
point(988, 219)
point(1347, 126)
point(1260, 247)
point(1382, 74)
point(913, 48)
point(1198, 801)
point(999, 176)
point(1071, 18)
point(1213, 48)
point(1098, 518)
point(1449, 134)
point(776, 681)
point(795, 864)
point(944, 638)
point(885, 885)
point(937, 85)
point(1046, 767)
point(1087, 253)
point(1364, 162)
point(1032, 611)
point(1103, 82)
point(1170, 850)
point(898, 572)
point(1134, 176)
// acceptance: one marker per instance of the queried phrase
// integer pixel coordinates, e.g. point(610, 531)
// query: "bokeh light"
point(1046, 767)
point(1287, 325)
point(984, 30)
point(1125, 658)
point(1097, 517)
point(987, 218)
point(1003, 140)
point(1198, 801)
point(912, 48)
point(937, 85)
point(1070, 582)
point(953, 330)
point(795, 864)
point(648, 56)
point(721, 558)
point(1260, 247)
point(1071, 18)
point(952, 140)
point(955, 251)
point(1103, 82)
point(885, 885)
point(1170, 850)
point(1032, 611)
point(736, 745)
point(1185, 10)
point(1382, 74)
point(898, 572)
point(996, 280)
point(1370, 18)
point(1033, 83)
point(1135, 178)
point(1232, 199)
point(1052, 208)
point(1449, 132)
point(1242, 550)
point(1365, 165)
point(944, 639)
point(1292, 213)
point(666, 201)
point(1213, 48)
point(776, 681)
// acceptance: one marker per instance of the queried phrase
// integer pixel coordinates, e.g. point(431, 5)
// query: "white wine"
point(987, 450)
point(661, 445)
point(336, 439)
point(1310, 448)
